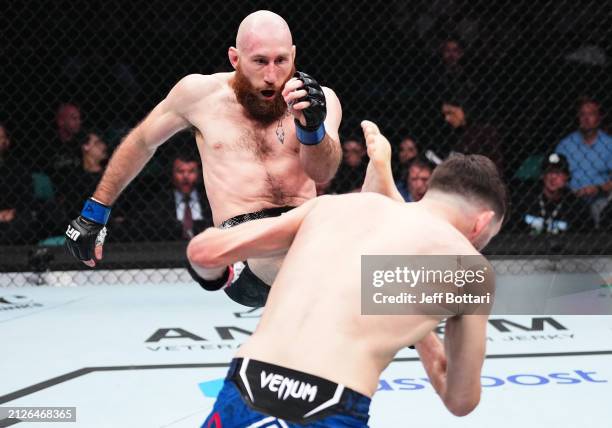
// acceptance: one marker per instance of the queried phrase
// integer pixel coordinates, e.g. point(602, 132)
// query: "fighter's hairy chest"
point(232, 132)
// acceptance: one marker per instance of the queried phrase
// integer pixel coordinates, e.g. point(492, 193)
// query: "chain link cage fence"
point(525, 83)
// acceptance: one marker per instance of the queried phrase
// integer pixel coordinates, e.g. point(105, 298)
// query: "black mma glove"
point(87, 230)
point(314, 131)
point(212, 284)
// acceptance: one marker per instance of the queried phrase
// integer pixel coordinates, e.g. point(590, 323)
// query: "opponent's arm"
point(317, 112)
point(454, 368)
point(214, 249)
point(85, 234)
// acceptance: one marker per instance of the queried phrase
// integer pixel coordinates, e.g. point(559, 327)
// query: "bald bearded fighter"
point(314, 360)
point(265, 134)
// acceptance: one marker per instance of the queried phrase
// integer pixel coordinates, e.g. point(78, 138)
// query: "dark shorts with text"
point(258, 394)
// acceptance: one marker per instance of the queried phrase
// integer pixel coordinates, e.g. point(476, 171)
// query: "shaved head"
point(262, 27)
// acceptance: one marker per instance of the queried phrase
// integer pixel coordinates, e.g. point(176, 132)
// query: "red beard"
point(261, 110)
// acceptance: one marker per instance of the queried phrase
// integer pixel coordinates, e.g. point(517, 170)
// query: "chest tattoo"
point(280, 131)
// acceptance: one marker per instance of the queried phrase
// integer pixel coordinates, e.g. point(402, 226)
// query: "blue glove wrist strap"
point(95, 211)
point(310, 138)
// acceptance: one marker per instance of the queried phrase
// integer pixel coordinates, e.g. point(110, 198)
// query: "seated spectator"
point(81, 181)
point(469, 135)
point(408, 150)
point(452, 60)
point(17, 225)
point(77, 184)
point(61, 153)
point(414, 185)
point(181, 209)
point(551, 208)
point(352, 170)
point(589, 153)
point(449, 67)
point(449, 71)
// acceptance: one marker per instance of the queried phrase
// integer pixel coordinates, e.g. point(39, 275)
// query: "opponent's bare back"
point(320, 282)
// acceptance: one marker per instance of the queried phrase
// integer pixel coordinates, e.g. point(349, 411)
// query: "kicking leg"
point(379, 177)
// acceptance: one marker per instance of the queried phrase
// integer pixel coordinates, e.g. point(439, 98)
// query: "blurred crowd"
point(564, 188)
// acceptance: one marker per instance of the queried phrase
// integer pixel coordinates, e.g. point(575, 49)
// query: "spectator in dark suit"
point(181, 209)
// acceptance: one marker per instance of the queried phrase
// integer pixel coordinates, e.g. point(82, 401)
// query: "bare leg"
point(379, 177)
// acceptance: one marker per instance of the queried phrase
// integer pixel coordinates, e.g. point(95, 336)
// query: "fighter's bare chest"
point(233, 133)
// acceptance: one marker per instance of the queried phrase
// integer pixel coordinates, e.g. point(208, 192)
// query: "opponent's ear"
point(483, 220)
point(293, 50)
point(232, 54)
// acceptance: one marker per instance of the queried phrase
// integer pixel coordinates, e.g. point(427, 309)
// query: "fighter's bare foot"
point(379, 149)
point(379, 177)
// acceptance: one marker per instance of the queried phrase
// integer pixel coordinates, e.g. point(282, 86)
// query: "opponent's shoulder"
point(442, 237)
point(354, 201)
point(456, 243)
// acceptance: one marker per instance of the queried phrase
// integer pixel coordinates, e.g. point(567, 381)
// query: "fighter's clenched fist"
point(306, 101)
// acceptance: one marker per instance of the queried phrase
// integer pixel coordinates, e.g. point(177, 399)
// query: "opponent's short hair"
point(472, 176)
